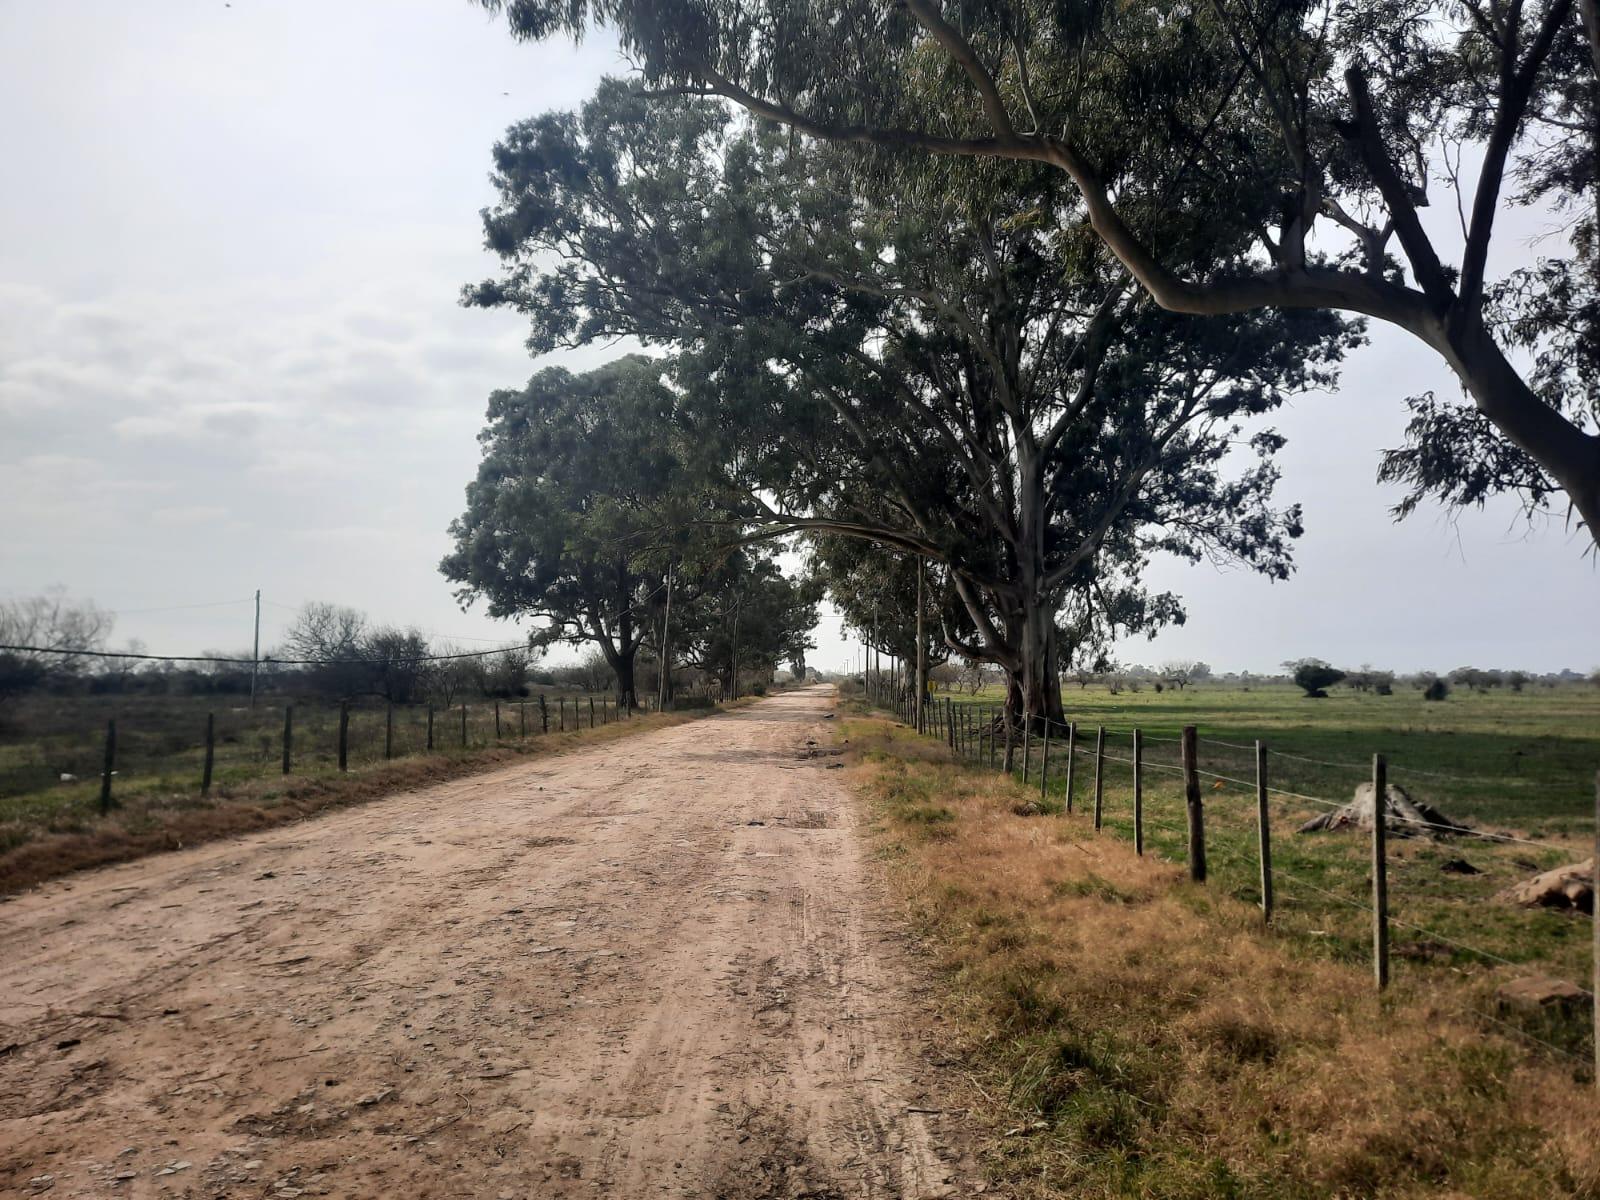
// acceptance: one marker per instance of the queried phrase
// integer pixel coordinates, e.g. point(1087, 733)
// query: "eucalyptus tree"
point(747, 617)
point(878, 593)
point(1236, 155)
point(580, 476)
point(969, 383)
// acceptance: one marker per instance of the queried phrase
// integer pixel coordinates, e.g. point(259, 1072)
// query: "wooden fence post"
point(1138, 792)
point(1192, 803)
point(591, 712)
point(463, 726)
point(1099, 774)
point(388, 731)
point(497, 720)
point(1044, 762)
point(288, 735)
point(109, 767)
point(1265, 830)
point(211, 753)
point(1007, 763)
point(544, 715)
point(430, 728)
point(1380, 871)
point(1027, 740)
point(562, 701)
point(1072, 758)
point(344, 735)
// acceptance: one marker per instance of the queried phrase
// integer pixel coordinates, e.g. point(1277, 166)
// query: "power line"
point(133, 612)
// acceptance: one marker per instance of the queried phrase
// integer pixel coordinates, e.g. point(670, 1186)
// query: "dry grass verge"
point(152, 823)
point(1134, 1035)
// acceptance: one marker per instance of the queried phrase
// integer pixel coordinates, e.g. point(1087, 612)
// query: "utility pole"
point(664, 667)
point(873, 671)
point(733, 665)
point(255, 655)
point(922, 651)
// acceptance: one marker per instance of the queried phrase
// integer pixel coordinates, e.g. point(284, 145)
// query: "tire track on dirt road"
point(656, 967)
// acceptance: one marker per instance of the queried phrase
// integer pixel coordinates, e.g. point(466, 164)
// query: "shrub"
point(1314, 677)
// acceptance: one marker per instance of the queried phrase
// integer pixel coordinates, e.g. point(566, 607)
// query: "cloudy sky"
point(231, 355)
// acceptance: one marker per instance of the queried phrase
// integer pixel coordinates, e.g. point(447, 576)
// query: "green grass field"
point(161, 740)
point(1518, 765)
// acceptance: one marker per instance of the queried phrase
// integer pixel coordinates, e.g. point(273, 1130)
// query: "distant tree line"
point(328, 652)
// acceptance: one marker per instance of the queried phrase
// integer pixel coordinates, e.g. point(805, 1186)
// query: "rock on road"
point(658, 966)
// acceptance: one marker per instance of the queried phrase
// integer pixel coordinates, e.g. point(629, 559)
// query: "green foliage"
point(1240, 156)
point(958, 377)
point(582, 475)
point(1313, 676)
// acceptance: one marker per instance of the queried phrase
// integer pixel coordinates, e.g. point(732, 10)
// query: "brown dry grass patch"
point(151, 824)
point(1131, 1034)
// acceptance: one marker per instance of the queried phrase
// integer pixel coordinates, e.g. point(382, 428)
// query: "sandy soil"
point(655, 967)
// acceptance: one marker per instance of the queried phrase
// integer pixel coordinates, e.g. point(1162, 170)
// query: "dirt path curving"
point(656, 967)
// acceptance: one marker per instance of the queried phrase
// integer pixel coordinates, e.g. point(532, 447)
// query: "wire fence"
point(1400, 894)
point(83, 756)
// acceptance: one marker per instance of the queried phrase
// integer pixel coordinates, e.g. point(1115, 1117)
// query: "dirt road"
point(654, 967)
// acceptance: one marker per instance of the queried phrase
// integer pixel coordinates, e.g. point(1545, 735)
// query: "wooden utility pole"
point(733, 653)
point(922, 656)
point(664, 667)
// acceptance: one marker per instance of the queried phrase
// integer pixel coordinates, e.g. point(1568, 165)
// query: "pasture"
point(1520, 767)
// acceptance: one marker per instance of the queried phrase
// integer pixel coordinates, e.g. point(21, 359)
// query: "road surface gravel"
point(659, 966)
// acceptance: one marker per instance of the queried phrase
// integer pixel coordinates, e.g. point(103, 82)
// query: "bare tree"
point(59, 628)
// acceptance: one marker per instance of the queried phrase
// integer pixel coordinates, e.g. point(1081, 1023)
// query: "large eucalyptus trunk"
point(627, 692)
